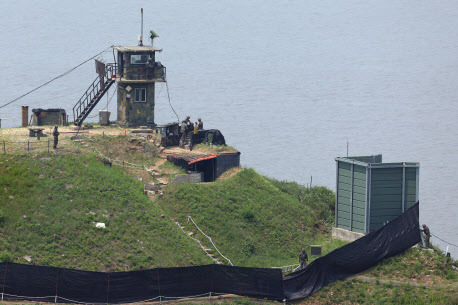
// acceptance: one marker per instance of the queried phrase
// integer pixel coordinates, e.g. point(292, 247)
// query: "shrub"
point(5, 256)
point(2, 218)
point(248, 246)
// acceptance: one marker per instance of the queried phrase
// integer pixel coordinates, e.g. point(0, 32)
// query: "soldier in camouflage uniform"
point(303, 258)
point(427, 235)
point(186, 127)
point(55, 134)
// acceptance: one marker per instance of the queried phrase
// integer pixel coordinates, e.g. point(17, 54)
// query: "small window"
point(138, 59)
point(140, 95)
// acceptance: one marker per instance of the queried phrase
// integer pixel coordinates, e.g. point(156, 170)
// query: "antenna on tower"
point(140, 38)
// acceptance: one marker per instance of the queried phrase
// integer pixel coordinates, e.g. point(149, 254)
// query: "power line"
point(444, 240)
point(57, 77)
point(168, 95)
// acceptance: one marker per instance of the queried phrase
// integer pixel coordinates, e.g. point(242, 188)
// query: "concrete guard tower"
point(136, 74)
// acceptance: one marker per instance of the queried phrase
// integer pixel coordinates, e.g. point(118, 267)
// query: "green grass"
point(415, 265)
point(359, 292)
point(49, 205)
point(251, 220)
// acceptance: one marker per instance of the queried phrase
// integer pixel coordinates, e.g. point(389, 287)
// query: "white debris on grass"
point(100, 225)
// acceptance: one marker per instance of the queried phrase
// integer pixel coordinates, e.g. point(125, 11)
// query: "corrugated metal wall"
point(351, 197)
point(411, 187)
point(371, 194)
point(359, 199)
point(343, 195)
point(386, 196)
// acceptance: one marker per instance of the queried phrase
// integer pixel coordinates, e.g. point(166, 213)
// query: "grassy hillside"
point(48, 206)
point(251, 220)
point(50, 202)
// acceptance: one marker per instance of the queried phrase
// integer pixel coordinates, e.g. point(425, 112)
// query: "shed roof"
point(366, 162)
point(136, 49)
point(191, 158)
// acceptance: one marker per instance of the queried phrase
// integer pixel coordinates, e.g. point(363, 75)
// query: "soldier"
point(185, 128)
point(303, 258)
point(201, 124)
point(55, 134)
point(427, 235)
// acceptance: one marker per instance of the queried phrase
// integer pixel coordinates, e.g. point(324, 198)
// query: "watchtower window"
point(139, 59)
point(140, 95)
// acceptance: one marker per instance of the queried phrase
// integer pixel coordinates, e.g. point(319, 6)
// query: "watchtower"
point(136, 75)
point(135, 72)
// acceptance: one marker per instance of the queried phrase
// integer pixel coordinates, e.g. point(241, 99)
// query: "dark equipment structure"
point(169, 133)
point(55, 116)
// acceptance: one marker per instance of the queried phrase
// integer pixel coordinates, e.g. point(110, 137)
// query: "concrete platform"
point(345, 234)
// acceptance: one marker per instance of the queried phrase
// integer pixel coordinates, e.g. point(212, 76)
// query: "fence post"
point(4, 147)
point(48, 145)
point(28, 145)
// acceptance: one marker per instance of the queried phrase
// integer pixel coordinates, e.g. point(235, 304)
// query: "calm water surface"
point(287, 82)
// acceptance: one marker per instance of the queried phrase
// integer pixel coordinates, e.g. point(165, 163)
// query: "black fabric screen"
point(395, 237)
point(50, 284)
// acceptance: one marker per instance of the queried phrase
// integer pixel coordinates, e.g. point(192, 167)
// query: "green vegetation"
point(50, 204)
point(359, 292)
point(251, 220)
point(415, 265)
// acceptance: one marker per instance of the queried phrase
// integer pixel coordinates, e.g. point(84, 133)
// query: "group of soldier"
point(187, 127)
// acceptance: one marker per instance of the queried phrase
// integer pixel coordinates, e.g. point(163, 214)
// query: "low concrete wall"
point(345, 234)
point(194, 177)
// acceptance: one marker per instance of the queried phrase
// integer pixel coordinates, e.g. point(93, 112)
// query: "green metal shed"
point(370, 193)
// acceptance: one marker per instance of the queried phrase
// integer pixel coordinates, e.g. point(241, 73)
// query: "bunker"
point(49, 117)
point(370, 193)
point(211, 165)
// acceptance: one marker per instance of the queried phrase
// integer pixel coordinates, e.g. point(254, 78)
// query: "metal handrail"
point(93, 90)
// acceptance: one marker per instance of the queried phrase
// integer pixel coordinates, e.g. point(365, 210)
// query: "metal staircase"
point(94, 94)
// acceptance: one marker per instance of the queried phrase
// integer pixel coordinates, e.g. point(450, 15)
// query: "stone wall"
point(193, 177)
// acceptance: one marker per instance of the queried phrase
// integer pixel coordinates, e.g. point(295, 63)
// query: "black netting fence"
point(51, 284)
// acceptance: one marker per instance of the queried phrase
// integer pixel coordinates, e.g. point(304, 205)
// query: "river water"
point(287, 82)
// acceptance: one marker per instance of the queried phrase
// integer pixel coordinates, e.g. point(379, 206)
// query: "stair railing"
point(93, 90)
